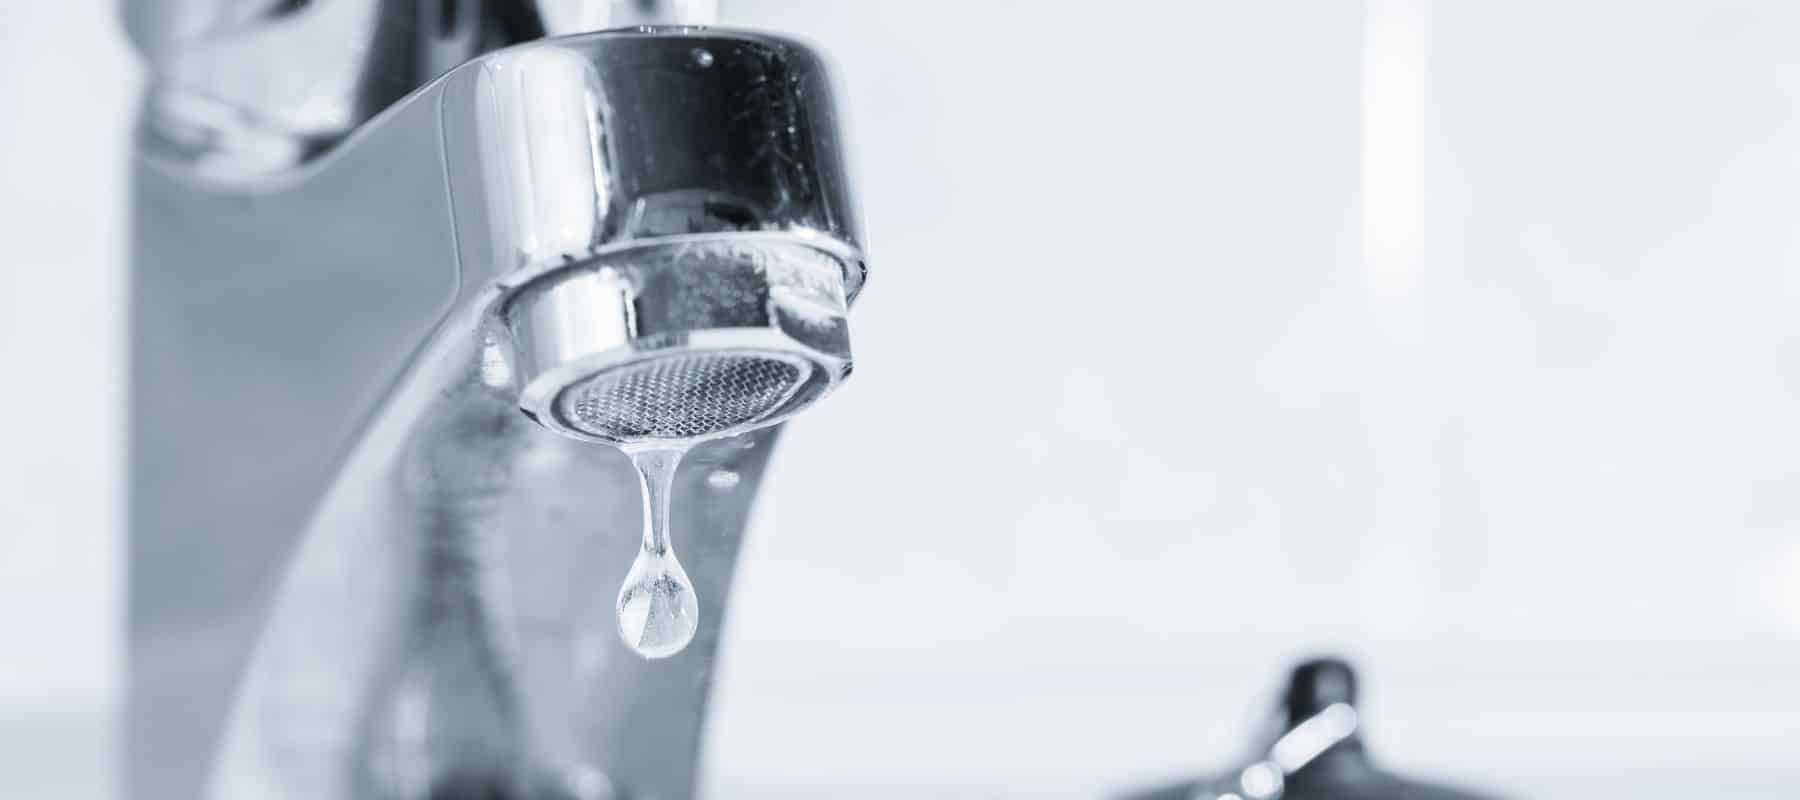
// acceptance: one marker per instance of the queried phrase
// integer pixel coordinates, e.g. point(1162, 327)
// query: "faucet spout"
point(377, 531)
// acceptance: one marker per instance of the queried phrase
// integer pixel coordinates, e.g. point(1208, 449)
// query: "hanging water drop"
point(658, 612)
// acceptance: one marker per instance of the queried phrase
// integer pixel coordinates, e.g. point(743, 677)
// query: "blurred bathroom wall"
point(67, 88)
point(1457, 337)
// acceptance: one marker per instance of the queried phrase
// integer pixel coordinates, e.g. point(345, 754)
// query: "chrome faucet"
point(401, 270)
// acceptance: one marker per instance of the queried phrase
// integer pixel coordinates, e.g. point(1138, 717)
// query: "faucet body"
point(356, 568)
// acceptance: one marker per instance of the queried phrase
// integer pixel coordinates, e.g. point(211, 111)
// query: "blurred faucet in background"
point(1312, 750)
point(391, 285)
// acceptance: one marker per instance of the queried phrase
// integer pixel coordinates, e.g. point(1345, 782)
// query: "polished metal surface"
point(716, 310)
point(358, 569)
point(244, 89)
point(1265, 777)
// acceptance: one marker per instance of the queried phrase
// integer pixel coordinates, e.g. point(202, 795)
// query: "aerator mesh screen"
point(681, 396)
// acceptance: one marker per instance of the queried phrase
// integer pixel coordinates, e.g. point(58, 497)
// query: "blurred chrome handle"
point(657, 12)
point(157, 26)
point(242, 89)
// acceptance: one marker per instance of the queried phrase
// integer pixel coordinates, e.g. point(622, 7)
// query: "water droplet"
point(723, 479)
point(658, 611)
point(703, 57)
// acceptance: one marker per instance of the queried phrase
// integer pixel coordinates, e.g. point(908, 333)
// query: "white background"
point(1457, 337)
